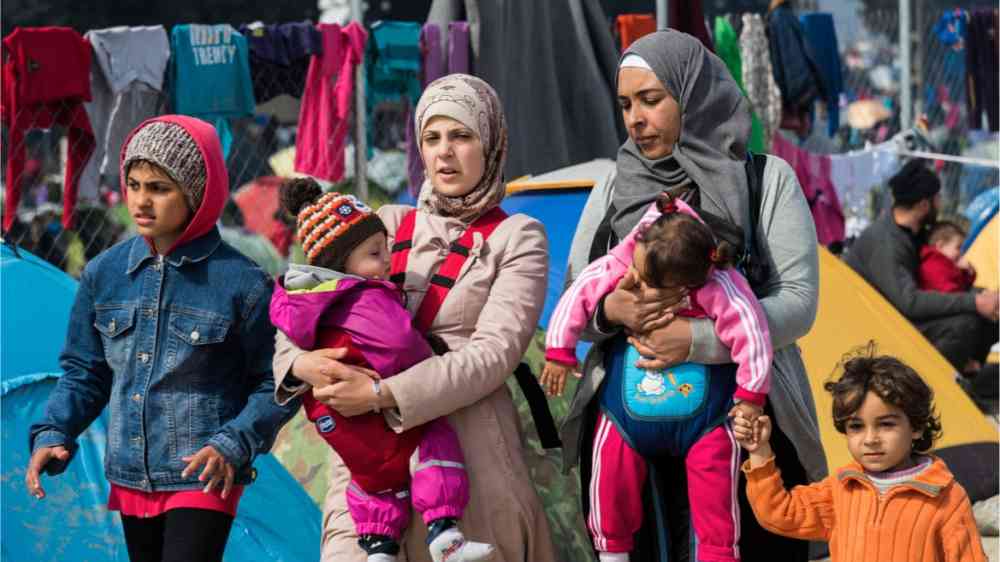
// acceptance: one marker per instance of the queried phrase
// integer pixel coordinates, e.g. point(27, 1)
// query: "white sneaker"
point(381, 557)
point(613, 556)
point(451, 546)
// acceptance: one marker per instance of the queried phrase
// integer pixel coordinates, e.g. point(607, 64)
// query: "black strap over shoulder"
point(548, 435)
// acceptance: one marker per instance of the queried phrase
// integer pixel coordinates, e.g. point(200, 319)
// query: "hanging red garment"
point(326, 102)
point(633, 26)
point(813, 173)
point(690, 18)
point(46, 79)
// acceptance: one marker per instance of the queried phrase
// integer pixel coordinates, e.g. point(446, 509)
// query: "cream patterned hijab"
point(473, 103)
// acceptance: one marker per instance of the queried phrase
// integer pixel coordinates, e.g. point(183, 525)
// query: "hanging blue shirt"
point(210, 75)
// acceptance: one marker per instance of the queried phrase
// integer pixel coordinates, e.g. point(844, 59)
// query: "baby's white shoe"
point(451, 546)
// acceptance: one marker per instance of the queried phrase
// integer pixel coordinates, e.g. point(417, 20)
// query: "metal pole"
point(906, 74)
point(360, 135)
point(662, 14)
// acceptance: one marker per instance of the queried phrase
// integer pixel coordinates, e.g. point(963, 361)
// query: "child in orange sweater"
point(895, 502)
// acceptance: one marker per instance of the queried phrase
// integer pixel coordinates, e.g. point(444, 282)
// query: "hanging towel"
point(982, 62)
point(633, 26)
point(814, 174)
point(728, 48)
point(279, 57)
point(126, 80)
point(210, 76)
point(459, 48)
point(822, 38)
point(326, 102)
point(46, 79)
point(758, 78)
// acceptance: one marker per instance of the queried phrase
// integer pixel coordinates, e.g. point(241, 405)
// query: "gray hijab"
point(712, 148)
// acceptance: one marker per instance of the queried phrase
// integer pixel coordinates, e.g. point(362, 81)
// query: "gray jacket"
point(888, 258)
point(788, 236)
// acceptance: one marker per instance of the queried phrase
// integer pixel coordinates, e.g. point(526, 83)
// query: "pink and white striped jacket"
point(726, 298)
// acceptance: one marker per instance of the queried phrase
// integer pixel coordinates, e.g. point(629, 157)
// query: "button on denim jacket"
point(179, 348)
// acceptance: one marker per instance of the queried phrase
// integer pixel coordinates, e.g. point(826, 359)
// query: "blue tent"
point(276, 520)
point(979, 212)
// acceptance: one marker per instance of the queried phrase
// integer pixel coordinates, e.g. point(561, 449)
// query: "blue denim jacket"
point(179, 348)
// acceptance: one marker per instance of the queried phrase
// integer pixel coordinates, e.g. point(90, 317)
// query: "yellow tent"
point(851, 313)
point(983, 255)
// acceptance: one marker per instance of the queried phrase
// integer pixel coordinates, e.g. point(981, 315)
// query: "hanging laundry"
point(279, 57)
point(814, 174)
point(758, 77)
point(690, 18)
point(210, 76)
point(126, 81)
point(944, 85)
point(326, 102)
point(982, 61)
point(459, 45)
point(822, 37)
point(46, 79)
point(631, 27)
point(435, 65)
point(392, 64)
point(728, 48)
point(854, 176)
point(794, 67)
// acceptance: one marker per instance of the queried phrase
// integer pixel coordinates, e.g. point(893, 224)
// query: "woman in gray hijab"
point(688, 126)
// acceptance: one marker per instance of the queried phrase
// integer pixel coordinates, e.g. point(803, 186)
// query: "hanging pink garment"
point(813, 173)
point(326, 102)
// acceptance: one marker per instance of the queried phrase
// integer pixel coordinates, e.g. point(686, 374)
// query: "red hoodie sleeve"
point(938, 273)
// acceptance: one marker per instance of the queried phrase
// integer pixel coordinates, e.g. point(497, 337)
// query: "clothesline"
point(949, 158)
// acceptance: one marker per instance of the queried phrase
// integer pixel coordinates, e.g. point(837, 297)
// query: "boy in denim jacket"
point(170, 330)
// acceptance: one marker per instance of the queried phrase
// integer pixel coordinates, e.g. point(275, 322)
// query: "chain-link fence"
point(262, 152)
point(871, 67)
point(263, 146)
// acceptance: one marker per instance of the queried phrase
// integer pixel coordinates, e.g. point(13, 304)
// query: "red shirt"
point(137, 503)
point(938, 273)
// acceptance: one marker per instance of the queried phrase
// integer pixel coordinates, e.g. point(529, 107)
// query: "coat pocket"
point(193, 335)
point(115, 322)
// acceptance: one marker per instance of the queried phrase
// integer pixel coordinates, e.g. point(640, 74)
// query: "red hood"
point(216, 176)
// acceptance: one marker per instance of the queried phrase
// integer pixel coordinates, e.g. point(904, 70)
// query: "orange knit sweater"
point(928, 519)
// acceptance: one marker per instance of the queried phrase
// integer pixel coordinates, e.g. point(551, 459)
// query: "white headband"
point(633, 60)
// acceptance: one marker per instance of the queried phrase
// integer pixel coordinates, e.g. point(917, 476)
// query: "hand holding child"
point(217, 469)
point(553, 378)
point(754, 436)
point(39, 459)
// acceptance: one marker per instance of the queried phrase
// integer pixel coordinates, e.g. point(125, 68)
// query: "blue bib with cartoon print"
point(675, 393)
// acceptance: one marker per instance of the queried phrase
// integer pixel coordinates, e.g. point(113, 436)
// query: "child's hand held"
point(553, 378)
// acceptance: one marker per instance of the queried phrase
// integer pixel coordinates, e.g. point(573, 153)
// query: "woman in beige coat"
point(487, 320)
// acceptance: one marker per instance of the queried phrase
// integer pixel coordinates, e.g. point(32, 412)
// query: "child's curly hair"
point(893, 381)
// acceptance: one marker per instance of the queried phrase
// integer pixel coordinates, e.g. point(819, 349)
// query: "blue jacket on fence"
point(794, 65)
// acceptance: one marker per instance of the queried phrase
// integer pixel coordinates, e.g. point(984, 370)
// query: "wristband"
point(377, 387)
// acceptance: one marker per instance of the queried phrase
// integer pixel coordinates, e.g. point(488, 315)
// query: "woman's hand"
point(755, 437)
point(664, 347)
point(317, 367)
point(352, 392)
point(641, 308)
point(217, 469)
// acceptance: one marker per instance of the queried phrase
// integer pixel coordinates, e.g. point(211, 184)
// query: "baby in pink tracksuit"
point(670, 247)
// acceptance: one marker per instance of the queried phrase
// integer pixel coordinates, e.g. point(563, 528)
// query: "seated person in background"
point(942, 267)
point(961, 325)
